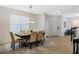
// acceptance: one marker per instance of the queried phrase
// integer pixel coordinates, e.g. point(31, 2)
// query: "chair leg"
point(42, 42)
point(73, 48)
point(30, 45)
point(77, 48)
point(37, 43)
point(20, 44)
point(11, 45)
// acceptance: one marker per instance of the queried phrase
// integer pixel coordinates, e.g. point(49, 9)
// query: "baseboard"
point(1, 43)
point(52, 36)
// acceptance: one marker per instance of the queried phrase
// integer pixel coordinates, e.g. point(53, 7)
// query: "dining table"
point(24, 37)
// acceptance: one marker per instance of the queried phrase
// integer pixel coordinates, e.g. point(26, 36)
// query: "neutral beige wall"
point(5, 22)
point(52, 23)
point(41, 21)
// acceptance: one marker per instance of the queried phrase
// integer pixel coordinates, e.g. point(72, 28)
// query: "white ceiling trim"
point(65, 10)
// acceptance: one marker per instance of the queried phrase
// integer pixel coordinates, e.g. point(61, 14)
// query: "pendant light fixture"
point(30, 21)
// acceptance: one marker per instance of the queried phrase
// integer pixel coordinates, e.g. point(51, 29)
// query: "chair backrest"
point(12, 37)
point(33, 36)
point(40, 35)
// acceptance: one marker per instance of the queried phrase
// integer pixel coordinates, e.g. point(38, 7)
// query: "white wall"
point(69, 23)
point(75, 22)
point(72, 22)
point(41, 21)
point(55, 22)
point(63, 29)
point(51, 23)
point(5, 22)
point(48, 25)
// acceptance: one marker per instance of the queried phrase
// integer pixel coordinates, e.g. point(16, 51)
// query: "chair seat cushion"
point(17, 40)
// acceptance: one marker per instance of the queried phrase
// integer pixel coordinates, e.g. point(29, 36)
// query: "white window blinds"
point(18, 23)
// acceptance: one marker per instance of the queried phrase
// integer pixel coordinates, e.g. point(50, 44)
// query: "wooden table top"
point(21, 34)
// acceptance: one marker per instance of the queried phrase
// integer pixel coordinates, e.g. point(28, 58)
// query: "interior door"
point(55, 26)
point(52, 25)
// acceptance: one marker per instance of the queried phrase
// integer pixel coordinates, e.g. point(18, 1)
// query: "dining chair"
point(32, 39)
point(40, 37)
point(13, 40)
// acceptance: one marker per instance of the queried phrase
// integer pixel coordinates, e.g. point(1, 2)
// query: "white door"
point(55, 26)
point(52, 25)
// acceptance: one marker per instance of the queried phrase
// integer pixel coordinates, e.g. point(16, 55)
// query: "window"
point(24, 23)
point(18, 23)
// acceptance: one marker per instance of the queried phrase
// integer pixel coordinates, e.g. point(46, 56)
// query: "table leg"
point(76, 48)
point(73, 46)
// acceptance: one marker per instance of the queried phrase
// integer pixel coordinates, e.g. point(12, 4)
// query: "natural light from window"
point(18, 23)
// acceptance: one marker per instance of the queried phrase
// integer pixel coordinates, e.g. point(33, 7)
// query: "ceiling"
point(67, 10)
